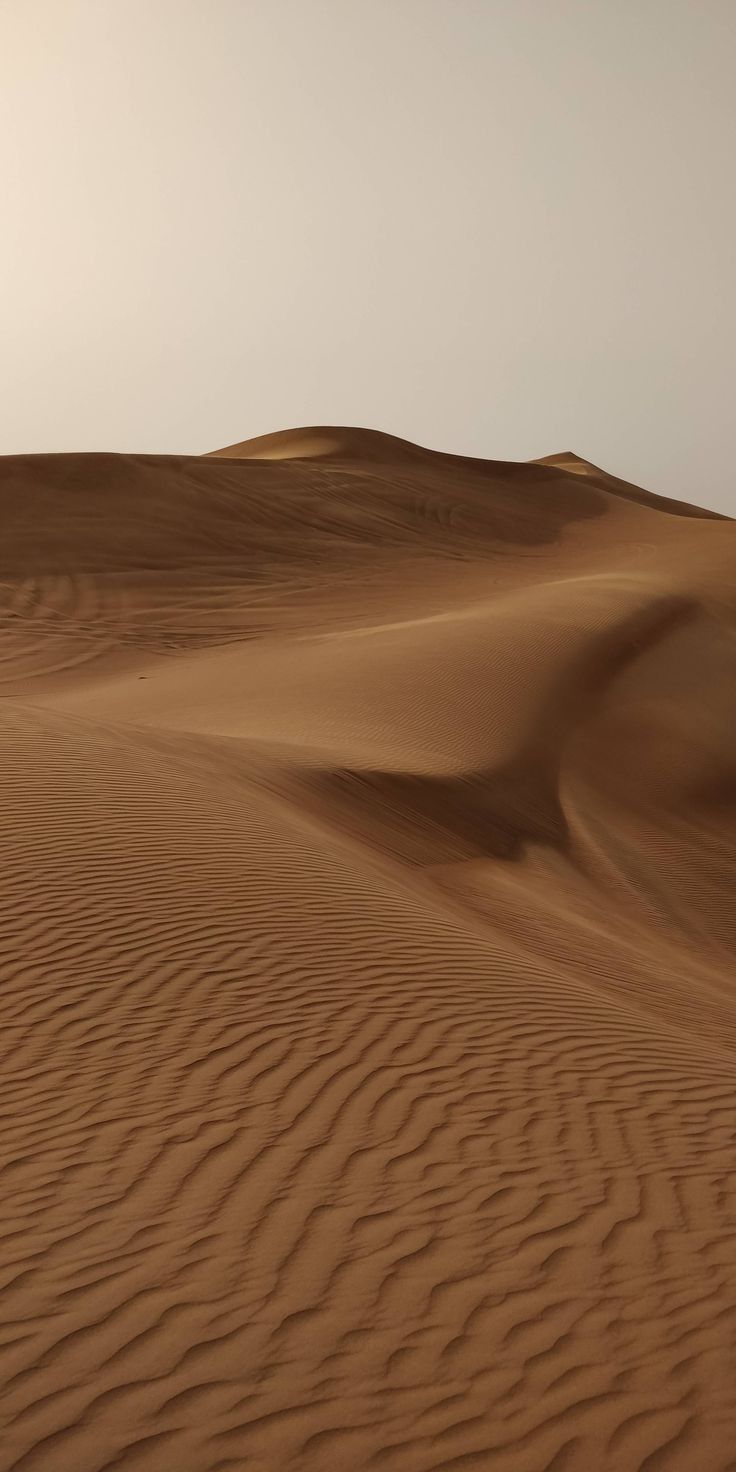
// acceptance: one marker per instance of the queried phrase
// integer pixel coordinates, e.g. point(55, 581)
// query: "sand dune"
point(368, 985)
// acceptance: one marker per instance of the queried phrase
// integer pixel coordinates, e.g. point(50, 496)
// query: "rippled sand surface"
point(367, 983)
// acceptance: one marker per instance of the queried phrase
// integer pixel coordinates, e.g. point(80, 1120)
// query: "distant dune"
point(368, 964)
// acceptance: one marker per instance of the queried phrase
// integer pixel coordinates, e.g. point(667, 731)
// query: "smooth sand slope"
point(368, 965)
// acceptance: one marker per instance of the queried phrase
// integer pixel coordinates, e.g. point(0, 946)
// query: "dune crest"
point(290, 444)
point(335, 442)
point(368, 1003)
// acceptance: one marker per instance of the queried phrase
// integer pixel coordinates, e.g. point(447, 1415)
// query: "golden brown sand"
point(368, 929)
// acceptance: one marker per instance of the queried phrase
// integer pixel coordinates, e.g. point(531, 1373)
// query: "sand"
point(368, 1006)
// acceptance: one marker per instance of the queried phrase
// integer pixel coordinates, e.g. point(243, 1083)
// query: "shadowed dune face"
point(368, 954)
point(499, 810)
point(244, 515)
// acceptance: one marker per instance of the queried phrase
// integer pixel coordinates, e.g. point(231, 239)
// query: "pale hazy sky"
point(500, 227)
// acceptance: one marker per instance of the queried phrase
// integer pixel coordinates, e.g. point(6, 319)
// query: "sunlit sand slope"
point(368, 962)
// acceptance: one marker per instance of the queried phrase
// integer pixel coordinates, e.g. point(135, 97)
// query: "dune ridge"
point(368, 993)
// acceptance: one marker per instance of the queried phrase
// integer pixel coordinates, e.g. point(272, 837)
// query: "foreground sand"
point(367, 953)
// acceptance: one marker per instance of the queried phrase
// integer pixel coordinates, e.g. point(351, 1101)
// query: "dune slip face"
point(368, 965)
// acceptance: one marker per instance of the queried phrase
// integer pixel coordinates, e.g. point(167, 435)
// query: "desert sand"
point(368, 988)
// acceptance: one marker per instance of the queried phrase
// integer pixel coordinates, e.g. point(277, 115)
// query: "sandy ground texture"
point(368, 999)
